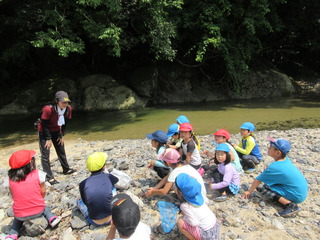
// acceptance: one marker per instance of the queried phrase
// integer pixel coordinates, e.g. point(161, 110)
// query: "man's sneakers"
point(289, 210)
point(54, 221)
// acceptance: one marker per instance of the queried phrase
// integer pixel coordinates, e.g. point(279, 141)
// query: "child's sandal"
point(54, 221)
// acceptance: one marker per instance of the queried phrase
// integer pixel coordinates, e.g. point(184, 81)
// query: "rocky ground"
point(255, 218)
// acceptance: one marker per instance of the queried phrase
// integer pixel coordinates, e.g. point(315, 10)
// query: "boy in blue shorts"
point(97, 191)
point(283, 181)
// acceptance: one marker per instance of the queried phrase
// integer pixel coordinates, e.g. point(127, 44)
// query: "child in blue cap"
point(158, 141)
point(283, 181)
point(198, 221)
point(173, 134)
point(248, 149)
point(226, 178)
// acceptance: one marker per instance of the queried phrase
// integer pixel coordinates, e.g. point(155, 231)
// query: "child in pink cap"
point(172, 159)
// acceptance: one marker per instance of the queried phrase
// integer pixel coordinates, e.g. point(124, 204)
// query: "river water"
point(267, 114)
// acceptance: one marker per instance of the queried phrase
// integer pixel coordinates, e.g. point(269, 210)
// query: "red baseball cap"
point(222, 132)
point(21, 158)
point(186, 127)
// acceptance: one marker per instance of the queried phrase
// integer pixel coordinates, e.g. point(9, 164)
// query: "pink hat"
point(171, 156)
point(222, 132)
point(21, 158)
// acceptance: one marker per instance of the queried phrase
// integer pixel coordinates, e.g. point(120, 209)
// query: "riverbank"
point(255, 218)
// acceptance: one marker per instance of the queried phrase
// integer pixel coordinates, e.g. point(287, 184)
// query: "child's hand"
point(246, 195)
point(234, 145)
point(149, 192)
point(151, 164)
point(211, 163)
point(204, 153)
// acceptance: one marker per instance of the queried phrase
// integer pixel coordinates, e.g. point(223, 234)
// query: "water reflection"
point(205, 117)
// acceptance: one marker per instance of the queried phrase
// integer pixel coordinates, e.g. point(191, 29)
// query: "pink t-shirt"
point(27, 196)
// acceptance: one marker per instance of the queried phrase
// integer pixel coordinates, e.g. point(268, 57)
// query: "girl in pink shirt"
point(27, 187)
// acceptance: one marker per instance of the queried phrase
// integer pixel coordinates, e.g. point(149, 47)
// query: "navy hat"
point(280, 144)
point(223, 147)
point(190, 188)
point(159, 136)
point(174, 128)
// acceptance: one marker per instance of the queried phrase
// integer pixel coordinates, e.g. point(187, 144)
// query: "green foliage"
point(223, 36)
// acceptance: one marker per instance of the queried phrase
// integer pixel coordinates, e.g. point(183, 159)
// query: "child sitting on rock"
point(226, 178)
point(223, 136)
point(248, 150)
point(172, 159)
point(27, 187)
point(126, 220)
point(174, 140)
point(189, 150)
point(97, 191)
point(158, 141)
point(198, 221)
point(283, 181)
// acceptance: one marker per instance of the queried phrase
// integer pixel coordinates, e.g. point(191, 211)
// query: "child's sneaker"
point(221, 198)
point(12, 237)
point(290, 209)
point(250, 170)
point(54, 221)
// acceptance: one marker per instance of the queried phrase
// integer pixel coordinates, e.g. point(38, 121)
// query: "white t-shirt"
point(192, 147)
point(187, 169)
point(198, 216)
point(142, 232)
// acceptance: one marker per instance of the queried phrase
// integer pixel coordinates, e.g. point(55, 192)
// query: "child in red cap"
point(27, 187)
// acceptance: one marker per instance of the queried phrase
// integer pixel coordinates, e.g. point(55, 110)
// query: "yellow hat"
point(96, 161)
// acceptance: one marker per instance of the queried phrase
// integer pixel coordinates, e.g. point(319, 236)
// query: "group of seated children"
point(179, 165)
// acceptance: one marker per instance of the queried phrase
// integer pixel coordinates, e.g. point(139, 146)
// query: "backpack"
point(38, 121)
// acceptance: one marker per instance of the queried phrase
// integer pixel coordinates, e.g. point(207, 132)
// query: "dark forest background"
point(42, 40)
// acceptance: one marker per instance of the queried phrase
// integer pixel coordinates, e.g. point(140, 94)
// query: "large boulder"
point(101, 92)
point(263, 84)
point(144, 81)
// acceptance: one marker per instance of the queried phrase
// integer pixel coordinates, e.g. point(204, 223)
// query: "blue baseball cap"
point(223, 147)
point(159, 136)
point(182, 119)
point(190, 188)
point(248, 126)
point(174, 128)
point(280, 144)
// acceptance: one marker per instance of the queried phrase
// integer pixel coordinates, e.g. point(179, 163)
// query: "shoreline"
point(255, 218)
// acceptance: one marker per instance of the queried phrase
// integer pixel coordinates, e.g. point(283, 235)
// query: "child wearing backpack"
point(27, 187)
point(226, 178)
point(248, 149)
point(189, 150)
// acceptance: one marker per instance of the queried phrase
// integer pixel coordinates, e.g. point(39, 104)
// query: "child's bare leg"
point(284, 201)
point(180, 223)
point(224, 193)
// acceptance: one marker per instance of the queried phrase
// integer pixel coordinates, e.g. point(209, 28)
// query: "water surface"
point(205, 118)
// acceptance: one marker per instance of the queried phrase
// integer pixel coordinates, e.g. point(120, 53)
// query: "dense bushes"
point(221, 38)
